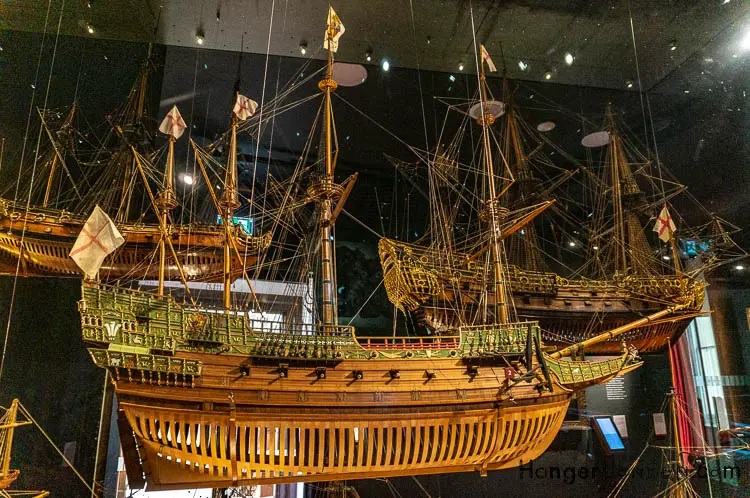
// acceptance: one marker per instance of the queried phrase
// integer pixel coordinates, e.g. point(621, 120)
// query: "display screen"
point(245, 223)
point(694, 248)
point(609, 431)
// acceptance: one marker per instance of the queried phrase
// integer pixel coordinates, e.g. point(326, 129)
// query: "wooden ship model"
point(214, 396)
point(38, 232)
point(8, 423)
point(625, 281)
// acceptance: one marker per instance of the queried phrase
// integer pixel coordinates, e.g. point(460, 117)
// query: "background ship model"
point(220, 395)
point(38, 227)
point(621, 279)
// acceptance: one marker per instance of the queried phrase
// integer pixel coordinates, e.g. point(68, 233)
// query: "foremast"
point(228, 204)
point(166, 201)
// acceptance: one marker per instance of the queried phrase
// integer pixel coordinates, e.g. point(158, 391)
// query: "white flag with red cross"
point(98, 239)
point(244, 107)
point(488, 59)
point(664, 225)
point(173, 124)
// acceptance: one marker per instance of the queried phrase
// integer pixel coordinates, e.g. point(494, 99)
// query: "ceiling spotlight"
point(745, 42)
point(739, 267)
point(303, 48)
point(666, 258)
point(187, 179)
point(569, 59)
point(596, 248)
point(673, 45)
point(460, 66)
point(368, 55)
point(522, 66)
point(200, 37)
point(90, 29)
point(571, 244)
point(385, 65)
point(548, 75)
point(686, 91)
point(629, 84)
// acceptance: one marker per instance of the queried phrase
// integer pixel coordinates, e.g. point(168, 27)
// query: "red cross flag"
point(334, 30)
point(488, 59)
point(99, 238)
point(244, 107)
point(173, 124)
point(664, 225)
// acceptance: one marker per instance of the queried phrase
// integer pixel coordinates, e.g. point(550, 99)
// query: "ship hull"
point(38, 244)
point(214, 398)
point(259, 428)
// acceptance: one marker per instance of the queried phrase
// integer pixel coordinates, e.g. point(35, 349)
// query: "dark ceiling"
point(433, 35)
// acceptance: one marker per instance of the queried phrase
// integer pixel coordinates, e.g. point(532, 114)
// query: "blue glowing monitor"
point(609, 434)
point(245, 223)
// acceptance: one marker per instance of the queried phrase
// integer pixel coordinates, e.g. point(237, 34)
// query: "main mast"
point(492, 210)
point(328, 269)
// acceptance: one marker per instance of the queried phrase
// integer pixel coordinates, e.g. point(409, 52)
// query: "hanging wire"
point(20, 167)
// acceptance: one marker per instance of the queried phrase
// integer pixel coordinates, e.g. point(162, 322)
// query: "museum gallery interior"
point(375, 248)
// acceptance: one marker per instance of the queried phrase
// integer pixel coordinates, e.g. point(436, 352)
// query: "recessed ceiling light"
point(673, 45)
point(522, 65)
point(385, 65)
point(572, 244)
point(739, 267)
point(596, 248)
point(546, 126)
point(460, 66)
point(303, 48)
point(200, 37)
point(665, 258)
point(368, 56)
point(629, 84)
point(569, 59)
point(90, 29)
point(686, 91)
point(548, 75)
